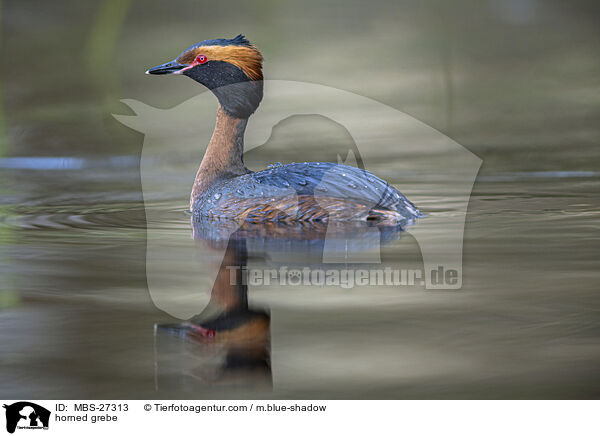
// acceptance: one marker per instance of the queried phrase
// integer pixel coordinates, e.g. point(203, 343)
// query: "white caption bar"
point(162, 417)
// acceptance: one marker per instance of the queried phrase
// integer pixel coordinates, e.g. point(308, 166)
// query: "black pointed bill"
point(172, 67)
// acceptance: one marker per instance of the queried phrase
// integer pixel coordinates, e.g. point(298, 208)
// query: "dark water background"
point(516, 82)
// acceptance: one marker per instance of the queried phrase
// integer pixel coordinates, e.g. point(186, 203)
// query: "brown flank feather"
point(302, 207)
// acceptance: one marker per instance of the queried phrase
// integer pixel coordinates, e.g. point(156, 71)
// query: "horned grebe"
point(225, 188)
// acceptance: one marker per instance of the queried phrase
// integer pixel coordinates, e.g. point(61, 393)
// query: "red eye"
point(201, 59)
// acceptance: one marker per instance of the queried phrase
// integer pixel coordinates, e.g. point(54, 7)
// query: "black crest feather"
point(238, 40)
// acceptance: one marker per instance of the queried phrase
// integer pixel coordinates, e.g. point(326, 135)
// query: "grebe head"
point(230, 68)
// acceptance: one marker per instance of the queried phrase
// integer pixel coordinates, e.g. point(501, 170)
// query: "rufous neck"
point(224, 154)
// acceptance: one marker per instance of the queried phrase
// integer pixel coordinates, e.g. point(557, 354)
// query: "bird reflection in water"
point(229, 342)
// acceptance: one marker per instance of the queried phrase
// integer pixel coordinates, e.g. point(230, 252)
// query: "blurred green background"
point(494, 75)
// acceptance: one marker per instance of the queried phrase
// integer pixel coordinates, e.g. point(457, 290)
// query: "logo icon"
point(26, 415)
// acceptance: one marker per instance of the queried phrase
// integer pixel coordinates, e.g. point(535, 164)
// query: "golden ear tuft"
point(247, 58)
